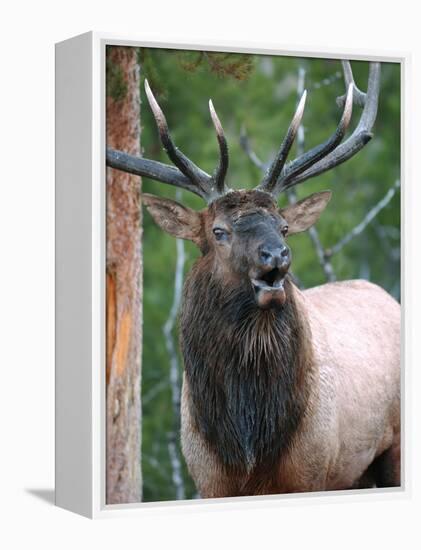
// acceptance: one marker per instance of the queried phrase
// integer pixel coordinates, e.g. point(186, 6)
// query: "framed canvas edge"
point(73, 276)
point(99, 509)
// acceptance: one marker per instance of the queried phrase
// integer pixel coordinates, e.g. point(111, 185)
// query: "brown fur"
point(248, 371)
point(303, 396)
point(351, 417)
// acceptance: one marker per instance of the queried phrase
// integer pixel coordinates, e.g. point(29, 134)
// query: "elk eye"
point(220, 234)
point(284, 230)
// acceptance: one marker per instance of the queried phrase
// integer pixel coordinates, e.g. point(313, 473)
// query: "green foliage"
point(259, 92)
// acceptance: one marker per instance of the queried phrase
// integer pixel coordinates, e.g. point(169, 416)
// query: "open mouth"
point(271, 280)
point(269, 288)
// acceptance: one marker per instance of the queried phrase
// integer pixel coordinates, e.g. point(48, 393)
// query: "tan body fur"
point(353, 414)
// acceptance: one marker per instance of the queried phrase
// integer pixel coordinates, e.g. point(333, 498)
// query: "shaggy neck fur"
point(247, 369)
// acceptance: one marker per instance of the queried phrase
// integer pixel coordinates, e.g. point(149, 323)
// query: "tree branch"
point(325, 81)
point(154, 391)
point(174, 368)
point(386, 234)
point(247, 148)
point(371, 214)
point(322, 255)
point(292, 197)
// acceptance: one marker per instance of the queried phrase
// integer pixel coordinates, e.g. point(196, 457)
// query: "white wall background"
point(28, 32)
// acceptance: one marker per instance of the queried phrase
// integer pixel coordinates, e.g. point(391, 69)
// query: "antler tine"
point(275, 169)
point(357, 140)
point(302, 163)
point(359, 96)
point(183, 163)
point(221, 171)
point(368, 117)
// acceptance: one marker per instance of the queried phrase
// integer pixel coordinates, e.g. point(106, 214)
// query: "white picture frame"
point(80, 277)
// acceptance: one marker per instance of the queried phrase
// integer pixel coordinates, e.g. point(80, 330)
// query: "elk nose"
point(274, 257)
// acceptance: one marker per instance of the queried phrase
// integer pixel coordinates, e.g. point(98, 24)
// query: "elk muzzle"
point(268, 274)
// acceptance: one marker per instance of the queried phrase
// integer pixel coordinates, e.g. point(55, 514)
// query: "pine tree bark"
point(124, 284)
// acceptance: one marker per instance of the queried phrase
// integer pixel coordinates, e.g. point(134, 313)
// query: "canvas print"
point(252, 275)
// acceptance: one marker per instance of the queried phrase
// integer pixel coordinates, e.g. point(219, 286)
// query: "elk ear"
point(174, 218)
point(305, 213)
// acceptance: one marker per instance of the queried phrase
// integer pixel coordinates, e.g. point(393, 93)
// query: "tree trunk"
point(124, 283)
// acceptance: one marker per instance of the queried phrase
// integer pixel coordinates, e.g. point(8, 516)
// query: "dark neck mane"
point(247, 370)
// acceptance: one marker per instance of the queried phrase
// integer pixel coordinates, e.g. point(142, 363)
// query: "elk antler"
point(187, 175)
point(329, 154)
point(274, 171)
point(280, 175)
point(183, 163)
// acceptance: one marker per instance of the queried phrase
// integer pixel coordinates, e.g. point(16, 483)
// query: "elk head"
point(243, 231)
point(245, 234)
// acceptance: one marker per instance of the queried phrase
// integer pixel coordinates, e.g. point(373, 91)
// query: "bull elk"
point(284, 390)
